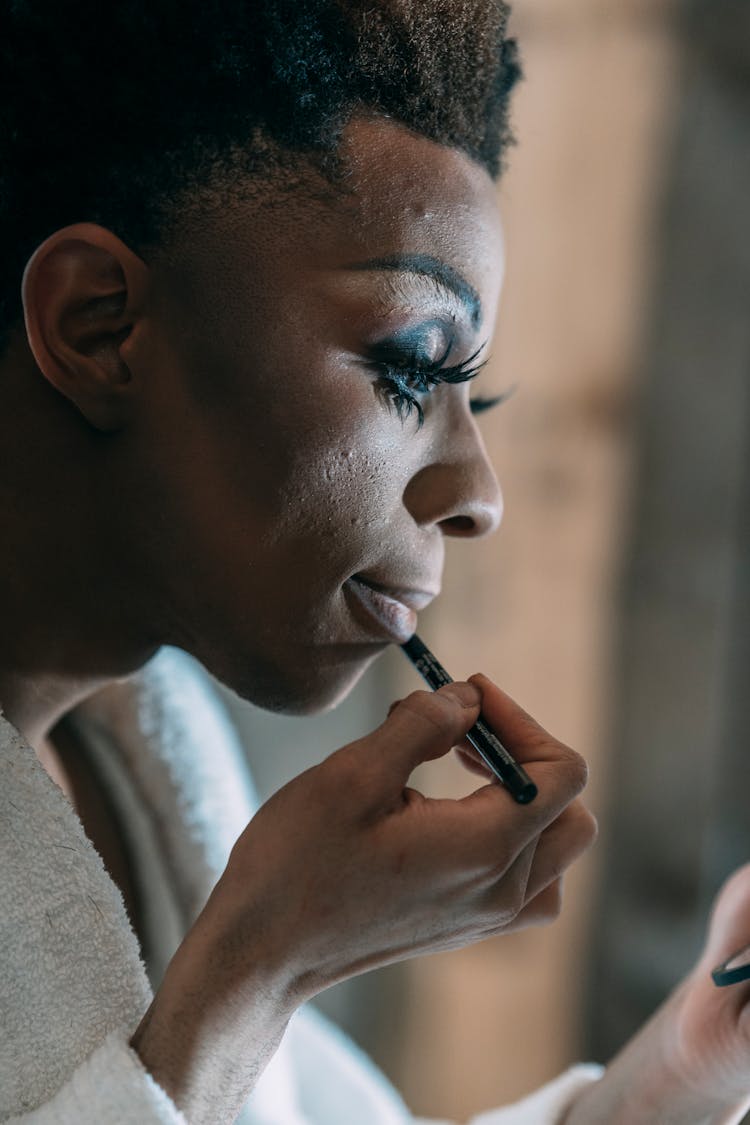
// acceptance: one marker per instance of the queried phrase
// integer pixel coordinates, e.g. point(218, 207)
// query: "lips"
point(388, 612)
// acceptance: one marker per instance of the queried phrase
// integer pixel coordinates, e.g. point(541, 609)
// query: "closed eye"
point(401, 383)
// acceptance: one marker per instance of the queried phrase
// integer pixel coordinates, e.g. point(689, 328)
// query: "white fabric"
point(74, 982)
point(547, 1104)
point(110, 1086)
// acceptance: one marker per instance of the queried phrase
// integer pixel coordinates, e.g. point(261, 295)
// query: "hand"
point(346, 868)
point(690, 1065)
point(710, 1050)
point(373, 872)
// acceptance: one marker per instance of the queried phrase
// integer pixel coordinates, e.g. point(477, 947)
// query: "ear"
point(83, 293)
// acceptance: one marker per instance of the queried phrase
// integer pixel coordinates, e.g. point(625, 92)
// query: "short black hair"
point(110, 108)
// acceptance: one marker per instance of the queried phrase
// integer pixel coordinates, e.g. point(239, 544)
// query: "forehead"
point(411, 196)
point(401, 195)
point(405, 188)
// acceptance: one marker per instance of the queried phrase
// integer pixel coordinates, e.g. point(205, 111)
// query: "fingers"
point(557, 848)
point(517, 730)
point(470, 760)
point(494, 819)
point(487, 830)
point(542, 909)
point(424, 726)
point(559, 772)
point(560, 845)
point(729, 928)
point(519, 850)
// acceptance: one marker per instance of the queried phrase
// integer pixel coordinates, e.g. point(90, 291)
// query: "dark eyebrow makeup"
point(424, 265)
point(485, 741)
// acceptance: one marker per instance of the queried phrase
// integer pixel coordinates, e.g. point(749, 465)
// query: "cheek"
point(350, 484)
point(302, 444)
point(337, 459)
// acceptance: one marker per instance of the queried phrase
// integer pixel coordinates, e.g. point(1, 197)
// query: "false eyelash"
point(401, 384)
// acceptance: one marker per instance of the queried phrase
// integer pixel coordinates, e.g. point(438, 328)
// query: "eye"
point(479, 404)
point(400, 383)
point(400, 386)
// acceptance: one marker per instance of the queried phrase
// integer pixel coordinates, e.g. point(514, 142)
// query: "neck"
point(70, 617)
point(35, 702)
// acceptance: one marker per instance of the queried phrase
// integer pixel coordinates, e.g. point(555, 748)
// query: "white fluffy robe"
point(74, 982)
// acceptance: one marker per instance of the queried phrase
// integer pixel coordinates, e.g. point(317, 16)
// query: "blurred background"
point(615, 602)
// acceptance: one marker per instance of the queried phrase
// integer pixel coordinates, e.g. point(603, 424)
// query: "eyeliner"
point(485, 742)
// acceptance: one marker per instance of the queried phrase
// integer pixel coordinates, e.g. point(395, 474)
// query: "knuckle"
point(591, 827)
point(498, 914)
point(579, 829)
point(519, 901)
point(503, 897)
point(580, 818)
point(586, 825)
point(440, 710)
point(393, 707)
point(553, 900)
point(576, 767)
point(556, 864)
point(545, 907)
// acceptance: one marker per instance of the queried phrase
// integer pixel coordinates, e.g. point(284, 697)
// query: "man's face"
point(293, 517)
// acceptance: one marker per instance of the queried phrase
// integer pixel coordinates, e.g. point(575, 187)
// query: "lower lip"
point(379, 613)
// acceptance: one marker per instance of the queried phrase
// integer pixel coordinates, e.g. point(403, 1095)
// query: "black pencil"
point(484, 741)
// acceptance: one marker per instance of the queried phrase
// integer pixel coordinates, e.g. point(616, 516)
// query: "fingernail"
point(466, 694)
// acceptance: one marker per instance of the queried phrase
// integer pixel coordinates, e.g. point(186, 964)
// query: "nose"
point(458, 490)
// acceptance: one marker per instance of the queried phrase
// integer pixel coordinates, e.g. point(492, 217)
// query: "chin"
point(314, 689)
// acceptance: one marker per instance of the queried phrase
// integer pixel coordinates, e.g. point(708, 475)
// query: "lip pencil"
point(487, 745)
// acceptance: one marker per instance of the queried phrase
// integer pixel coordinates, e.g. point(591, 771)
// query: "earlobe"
point(83, 294)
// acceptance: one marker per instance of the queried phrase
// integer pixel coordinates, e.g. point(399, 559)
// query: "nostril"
point(460, 525)
point(460, 497)
point(482, 519)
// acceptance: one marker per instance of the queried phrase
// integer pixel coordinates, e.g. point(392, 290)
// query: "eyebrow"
point(426, 266)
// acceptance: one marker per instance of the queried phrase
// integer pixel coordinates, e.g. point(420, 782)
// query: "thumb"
point(426, 725)
point(729, 927)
